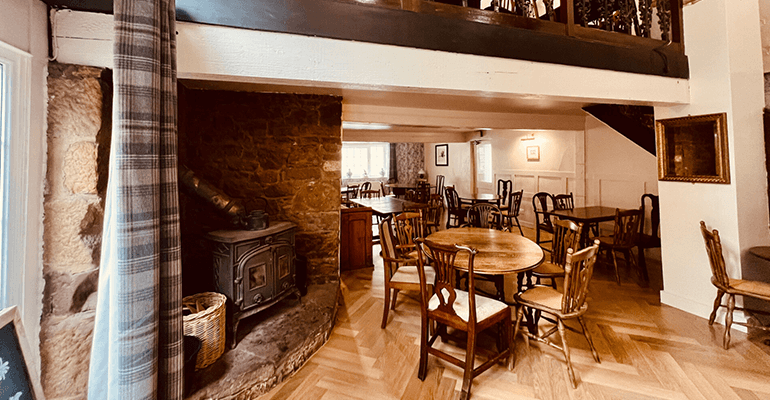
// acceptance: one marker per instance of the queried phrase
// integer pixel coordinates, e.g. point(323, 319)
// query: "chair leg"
point(519, 316)
point(615, 262)
point(565, 348)
point(422, 372)
point(508, 337)
point(470, 354)
point(518, 224)
point(588, 339)
point(728, 320)
point(717, 303)
point(385, 308)
point(537, 235)
point(393, 301)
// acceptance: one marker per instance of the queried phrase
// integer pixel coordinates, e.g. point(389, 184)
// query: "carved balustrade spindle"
point(645, 12)
point(664, 18)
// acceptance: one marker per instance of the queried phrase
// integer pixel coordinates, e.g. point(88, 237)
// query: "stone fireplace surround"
point(285, 147)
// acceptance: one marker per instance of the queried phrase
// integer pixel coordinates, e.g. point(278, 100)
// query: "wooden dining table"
point(589, 216)
point(499, 252)
point(481, 198)
point(388, 205)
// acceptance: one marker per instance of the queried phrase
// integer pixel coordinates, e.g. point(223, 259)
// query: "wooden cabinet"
point(355, 238)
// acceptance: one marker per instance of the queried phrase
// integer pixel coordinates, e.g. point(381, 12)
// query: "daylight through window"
point(365, 160)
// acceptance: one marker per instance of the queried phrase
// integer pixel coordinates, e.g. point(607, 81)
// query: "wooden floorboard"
point(648, 351)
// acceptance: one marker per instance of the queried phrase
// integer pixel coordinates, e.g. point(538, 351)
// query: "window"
point(15, 91)
point(365, 160)
point(484, 162)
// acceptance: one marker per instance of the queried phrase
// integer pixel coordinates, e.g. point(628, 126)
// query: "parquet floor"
point(648, 351)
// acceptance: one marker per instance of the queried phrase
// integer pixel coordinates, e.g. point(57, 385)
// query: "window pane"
point(365, 160)
point(484, 162)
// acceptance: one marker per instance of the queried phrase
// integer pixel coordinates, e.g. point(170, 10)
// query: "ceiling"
point(460, 103)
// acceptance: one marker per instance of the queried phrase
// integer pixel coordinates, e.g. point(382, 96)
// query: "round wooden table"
point(499, 252)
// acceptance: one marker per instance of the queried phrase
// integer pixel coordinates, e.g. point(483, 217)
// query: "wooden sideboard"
point(355, 238)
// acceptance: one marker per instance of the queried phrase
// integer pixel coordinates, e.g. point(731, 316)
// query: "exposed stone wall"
point(283, 147)
point(78, 136)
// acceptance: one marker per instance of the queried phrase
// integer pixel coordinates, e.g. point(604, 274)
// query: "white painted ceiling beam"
point(239, 55)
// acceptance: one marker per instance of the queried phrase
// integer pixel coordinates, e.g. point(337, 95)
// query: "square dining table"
point(589, 216)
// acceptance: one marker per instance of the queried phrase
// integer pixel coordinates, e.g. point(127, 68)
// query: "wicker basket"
point(207, 323)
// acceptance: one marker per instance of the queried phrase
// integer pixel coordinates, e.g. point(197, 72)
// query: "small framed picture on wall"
point(442, 155)
point(533, 153)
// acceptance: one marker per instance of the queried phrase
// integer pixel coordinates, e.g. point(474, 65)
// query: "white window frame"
point(14, 171)
point(368, 146)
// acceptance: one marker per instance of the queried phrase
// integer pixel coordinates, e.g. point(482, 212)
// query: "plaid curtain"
point(137, 350)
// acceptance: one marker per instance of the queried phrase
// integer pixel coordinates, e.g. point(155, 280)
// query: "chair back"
point(514, 203)
point(422, 192)
point(564, 202)
point(452, 198)
point(716, 259)
point(407, 227)
point(370, 194)
point(626, 227)
point(385, 191)
point(352, 191)
point(540, 205)
point(433, 213)
point(440, 185)
point(484, 215)
point(364, 186)
point(442, 259)
point(390, 256)
point(578, 270)
point(504, 187)
point(653, 238)
point(566, 235)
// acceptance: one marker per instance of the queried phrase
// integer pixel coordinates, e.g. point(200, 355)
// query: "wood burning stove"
point(254, 269)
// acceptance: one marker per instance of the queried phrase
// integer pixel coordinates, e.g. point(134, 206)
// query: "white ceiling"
point(425, 130)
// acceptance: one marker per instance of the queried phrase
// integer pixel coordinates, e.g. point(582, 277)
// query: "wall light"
point(529, 136)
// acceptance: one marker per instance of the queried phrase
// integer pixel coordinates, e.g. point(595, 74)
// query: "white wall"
point(724, 49)
point(457, 173)
point(23, 25)
point(618, 172)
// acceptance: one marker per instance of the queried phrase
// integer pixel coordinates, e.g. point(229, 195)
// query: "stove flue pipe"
point(212, 195)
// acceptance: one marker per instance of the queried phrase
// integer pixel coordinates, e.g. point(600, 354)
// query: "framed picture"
point(442, 155)
point(533, 153)
point(18, 378)
point(693, 149)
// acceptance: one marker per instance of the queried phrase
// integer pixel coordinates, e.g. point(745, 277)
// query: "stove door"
point(258, 282)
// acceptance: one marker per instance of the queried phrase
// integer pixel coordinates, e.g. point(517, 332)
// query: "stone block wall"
point(78, 140)
point(283, 147)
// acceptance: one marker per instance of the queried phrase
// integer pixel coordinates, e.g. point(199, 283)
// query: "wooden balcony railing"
point(622, 22)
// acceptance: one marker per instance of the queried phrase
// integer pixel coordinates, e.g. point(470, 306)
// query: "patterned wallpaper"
point(410, 158)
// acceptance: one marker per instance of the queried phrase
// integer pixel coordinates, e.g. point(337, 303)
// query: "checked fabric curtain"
point(137, 350)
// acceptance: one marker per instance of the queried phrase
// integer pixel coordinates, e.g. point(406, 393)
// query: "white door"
point(483, 167)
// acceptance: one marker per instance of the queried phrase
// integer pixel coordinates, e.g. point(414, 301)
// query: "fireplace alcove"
point(285, 148)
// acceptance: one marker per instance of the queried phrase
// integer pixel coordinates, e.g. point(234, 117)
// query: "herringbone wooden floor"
point(648, 351)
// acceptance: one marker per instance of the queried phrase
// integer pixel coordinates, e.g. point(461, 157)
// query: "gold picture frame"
point(693, 149)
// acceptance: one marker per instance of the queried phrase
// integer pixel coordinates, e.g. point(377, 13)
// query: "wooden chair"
point(407, 227)
point(542, 220)
point(484, 215)
point(385, 191)
point(370, 194)
point(440, 185)
point(364, 186)
point(731, 287)
point(504, 188)
point(566, 235)
point(564, 202)
point(456, 210)
point(511, 213)
point(433, 214)
point(560, 306)
point(352, 191)
point(645, 240)
point(623, 237)
point(462, 310)
point(400, 273)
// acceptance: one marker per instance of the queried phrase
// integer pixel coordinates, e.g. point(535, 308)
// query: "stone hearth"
point(271, 346)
